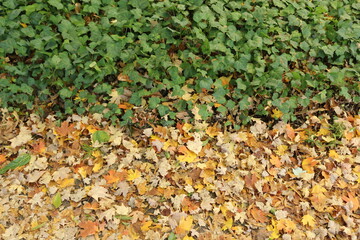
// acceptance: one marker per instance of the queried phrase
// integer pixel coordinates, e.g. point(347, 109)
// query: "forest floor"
point(85, 179)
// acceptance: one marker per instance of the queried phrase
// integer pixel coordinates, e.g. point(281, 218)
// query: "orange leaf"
point(114, 176)
point(258, 215)
point(88, 228)
point(353, 200)
point(290, 132)
point(275, 160)
point(125, 106)
point(39, 147)
point(308, 164)
point(93, 205)
point(2, 158)
point(65, 129)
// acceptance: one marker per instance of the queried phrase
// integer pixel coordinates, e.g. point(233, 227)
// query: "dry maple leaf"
point(65, 129)
point(2, 158)
point(308, 220)
point(39, 147)
point(258, 215)
point(185, 225)
point(114, 176)
point(23, 137)
point(354, 201)
point(308, 164)
point(88, 228)
point(290, 132)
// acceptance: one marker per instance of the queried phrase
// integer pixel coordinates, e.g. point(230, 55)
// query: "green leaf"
point(172, 236)
point(18, 162)
point(56, 3)
point(56, 201)
point(65, 93)
point(100, 136)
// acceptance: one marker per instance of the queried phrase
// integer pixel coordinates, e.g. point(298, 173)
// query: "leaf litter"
point(85, 179)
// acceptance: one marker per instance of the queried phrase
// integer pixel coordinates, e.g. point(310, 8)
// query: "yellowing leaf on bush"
point(276, 113)
point(133, 174)
point(308, 220)
point(225, 80)
point(185, 225)
point(308, 164)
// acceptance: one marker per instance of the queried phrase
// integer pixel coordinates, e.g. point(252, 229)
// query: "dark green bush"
point(281, 54)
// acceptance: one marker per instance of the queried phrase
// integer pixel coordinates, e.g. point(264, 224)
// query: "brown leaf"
point(88, 228)
point(290, 132)
point(65, 129)
point(258, 215)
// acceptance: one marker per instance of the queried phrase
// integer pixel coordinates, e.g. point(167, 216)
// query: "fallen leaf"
point(258, 215)
point(308, 220)
point(308, 164)
point(185, 225)
point(88, 228)
point(353, 200)
point(114, 176)
point(290, 132)
point(65, 129)
point(133, 174)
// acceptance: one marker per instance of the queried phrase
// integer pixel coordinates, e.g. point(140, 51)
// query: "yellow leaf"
point(133, 175)
point(228, 224)
point(276, 113)
point(188, 238)
point(225, 80)
point(82, 172)
point(188, 156)
point(308, 220)
point(67, 182)
point(97, 166)
point(323, 132)
point(281, 149)
point(185, 225)
point(333, 154)
point(308, 164)
point(146, 226)
point(273, 229)
point(318, 189)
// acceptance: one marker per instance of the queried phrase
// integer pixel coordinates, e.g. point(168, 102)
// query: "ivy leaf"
point(18, 162)
point(56, 3)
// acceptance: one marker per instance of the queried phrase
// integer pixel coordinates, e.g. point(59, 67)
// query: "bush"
point(236, 58)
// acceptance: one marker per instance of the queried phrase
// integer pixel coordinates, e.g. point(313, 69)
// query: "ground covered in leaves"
point(85, 179)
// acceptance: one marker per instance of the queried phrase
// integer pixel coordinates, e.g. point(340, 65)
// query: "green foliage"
point(284, 52)
point(18, 162)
